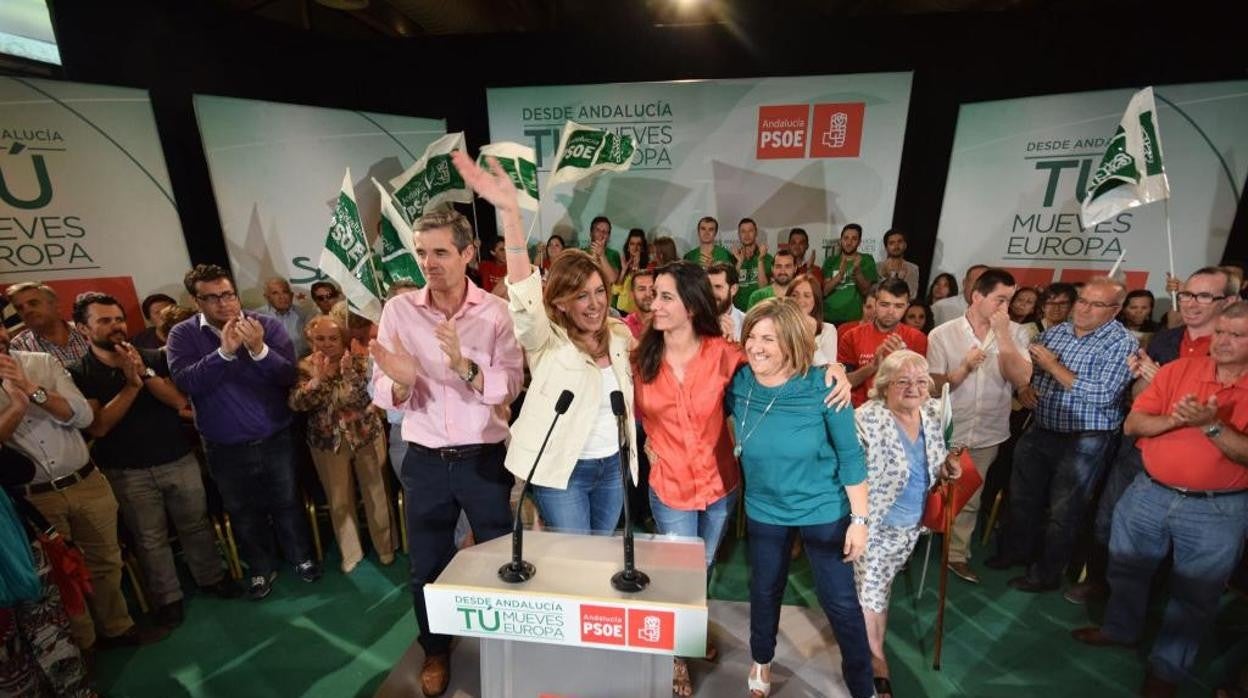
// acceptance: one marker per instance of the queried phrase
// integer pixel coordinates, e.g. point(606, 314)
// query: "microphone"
point(517, 570)
point(630, 579)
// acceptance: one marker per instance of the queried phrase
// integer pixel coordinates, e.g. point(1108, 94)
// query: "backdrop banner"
point(814, 152)
point(85, 200)
point(277, 170)
point(1020, 167)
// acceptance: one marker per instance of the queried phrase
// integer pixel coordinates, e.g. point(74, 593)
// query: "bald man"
point(281, 305)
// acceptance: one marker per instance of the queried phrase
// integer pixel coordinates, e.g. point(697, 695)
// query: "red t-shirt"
point(857, 346)
point(1185, 457)
point(491, 273)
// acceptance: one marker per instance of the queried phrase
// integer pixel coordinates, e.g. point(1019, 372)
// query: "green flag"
point(585, 151)
point(398, 258)
point(1131, 172)
point(347, 258)
point(432, 180)
point(520, 163)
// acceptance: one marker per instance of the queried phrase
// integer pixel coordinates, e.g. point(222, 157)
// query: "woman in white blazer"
point(571, 343)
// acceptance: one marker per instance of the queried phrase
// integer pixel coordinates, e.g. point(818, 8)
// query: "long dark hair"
point(953, 287)
point(695, 292)
point(644, 258)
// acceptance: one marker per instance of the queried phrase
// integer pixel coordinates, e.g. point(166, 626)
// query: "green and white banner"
point(274, 167)
point(519, 162)
point(1132, 172)
point(584, 152)
point(347, 258)
point(816, 152)
point(394, 244)
point(432, 180)
point(1020, 168)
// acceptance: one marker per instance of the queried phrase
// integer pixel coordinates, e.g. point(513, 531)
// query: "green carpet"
point(340, 637)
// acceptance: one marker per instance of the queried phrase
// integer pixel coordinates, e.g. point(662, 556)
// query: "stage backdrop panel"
point(1019, 167)
point(85, 199)
point(276, 171)
point(815, 152)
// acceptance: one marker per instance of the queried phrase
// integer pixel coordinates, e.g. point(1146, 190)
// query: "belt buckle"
point(57, 485)
point(450, 453)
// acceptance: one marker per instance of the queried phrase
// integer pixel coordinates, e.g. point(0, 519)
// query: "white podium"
point(567, 632)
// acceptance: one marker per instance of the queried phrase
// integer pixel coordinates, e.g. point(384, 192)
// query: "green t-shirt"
point(760, 295)
point(845, 302)
point(718, 254)
point(613, 257)
point(749, 280)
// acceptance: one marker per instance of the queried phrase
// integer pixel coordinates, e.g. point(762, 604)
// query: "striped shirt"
point(1097, 400)
point(77, 347)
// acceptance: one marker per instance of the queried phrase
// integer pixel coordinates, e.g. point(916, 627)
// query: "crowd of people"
point(807, 390)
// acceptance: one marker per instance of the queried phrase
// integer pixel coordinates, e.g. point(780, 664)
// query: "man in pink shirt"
point(447, 356)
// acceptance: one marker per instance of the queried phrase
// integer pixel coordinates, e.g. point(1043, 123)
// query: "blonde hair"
point(893, 364)
point(568, 274)
point(797, 344)
point(323, 318)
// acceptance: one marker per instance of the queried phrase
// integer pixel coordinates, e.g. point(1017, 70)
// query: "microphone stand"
point(518, 570)
point(630, 579)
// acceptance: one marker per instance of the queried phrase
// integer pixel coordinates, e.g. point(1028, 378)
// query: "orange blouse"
point(686, 427)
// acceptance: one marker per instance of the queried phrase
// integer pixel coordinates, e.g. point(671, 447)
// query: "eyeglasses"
point(218, 298)
point(1095, 304)
point(1200, 298)
point(323, 297)
point(906, 383)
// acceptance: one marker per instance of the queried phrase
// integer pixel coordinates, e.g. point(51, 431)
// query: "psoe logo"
point(651, 629)
point(782, 130)
point(603, 625)
point(836, 130)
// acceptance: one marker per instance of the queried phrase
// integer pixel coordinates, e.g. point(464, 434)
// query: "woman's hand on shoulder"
point(836, 378)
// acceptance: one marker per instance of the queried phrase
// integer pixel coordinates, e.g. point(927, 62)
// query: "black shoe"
point(1000, 562)
point(1031, 586)
point(134, 637)
point(308, 571)
point(261, 585)
point(170, 615)
point(224, 589)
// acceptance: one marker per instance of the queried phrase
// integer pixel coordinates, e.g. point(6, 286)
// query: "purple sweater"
point(235, 401)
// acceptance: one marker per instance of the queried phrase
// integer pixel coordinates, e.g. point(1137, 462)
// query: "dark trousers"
point(1059, 472)
point(834, 584)
point(259, 488)
point(437, 485)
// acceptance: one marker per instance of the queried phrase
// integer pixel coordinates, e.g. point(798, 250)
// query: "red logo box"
point(603, 625)
point(836, 130)
point(651, 629)
point(782, 131)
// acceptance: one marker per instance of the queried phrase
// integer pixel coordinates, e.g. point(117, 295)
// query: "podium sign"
point(570, 601)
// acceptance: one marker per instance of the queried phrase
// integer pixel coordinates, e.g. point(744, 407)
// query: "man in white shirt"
point(983, 357)
point(725, 281)
point(953, 307)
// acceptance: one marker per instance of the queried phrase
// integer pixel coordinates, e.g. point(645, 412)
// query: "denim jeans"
point(437, 486)
point(1127, 464)
point(834, 584)
point(1059, 471)
point(709, 525)
point(1207, 537)
point(257, 482)
point(591, 502)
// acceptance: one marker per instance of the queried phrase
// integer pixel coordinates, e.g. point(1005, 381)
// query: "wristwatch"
point(855, 519)
point(40, 396)
point(1214, 430)
point(148, 372)
point(473, 370)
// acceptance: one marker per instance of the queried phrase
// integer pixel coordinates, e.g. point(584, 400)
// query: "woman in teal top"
point(804, 473)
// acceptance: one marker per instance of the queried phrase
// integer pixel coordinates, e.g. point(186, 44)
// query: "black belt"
point(1185, 492)
point(454, 452)
point(61, 483)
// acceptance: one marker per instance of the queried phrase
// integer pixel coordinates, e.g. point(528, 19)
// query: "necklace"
point(736, 450)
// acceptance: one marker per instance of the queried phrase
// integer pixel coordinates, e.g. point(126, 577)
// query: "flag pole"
point(1114, 269)
point(1174, 296)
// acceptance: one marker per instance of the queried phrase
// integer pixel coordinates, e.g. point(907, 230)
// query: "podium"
point(567, 632)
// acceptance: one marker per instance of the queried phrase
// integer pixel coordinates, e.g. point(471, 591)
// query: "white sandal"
point(758, 685)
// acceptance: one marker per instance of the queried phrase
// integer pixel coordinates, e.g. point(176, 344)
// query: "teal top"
point(798, 457)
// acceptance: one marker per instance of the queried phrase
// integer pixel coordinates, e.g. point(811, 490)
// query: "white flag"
point(347, 257)
point(585, 151)
point(1131, 173)
point(520, 163)
point(432, 180)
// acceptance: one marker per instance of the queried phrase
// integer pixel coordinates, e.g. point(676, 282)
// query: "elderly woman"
point(900, 430)
point(345, 433)
point(804, 475)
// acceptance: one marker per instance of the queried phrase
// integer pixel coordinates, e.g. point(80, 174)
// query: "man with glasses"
point(238, 369)
point(325, 294)
point(1078, 386)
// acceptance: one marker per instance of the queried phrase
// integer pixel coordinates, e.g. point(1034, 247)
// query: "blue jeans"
point(257, 482)
point(592, 500)
point(834, 584)
point(1059, 471)
point(437, 485)
point(1207, 537)
point(708, 525)
point(1127, 464)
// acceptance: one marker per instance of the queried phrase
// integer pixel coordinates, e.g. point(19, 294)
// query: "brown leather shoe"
point(1092, 635)
point(435, 674)
point(963, 570)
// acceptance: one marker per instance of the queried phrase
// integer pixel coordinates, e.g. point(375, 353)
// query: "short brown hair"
point(461, 230)
point(796, 343)
point(203, 273)
point(30, 286)
point(568, 273)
